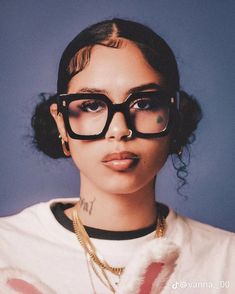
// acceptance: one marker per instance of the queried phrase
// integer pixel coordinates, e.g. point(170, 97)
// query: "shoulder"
point(24, 217)
point(31, 218)
point(202, 231)
point(200, 239)
point(182, 225)
point(34, 227)
point(204, 241)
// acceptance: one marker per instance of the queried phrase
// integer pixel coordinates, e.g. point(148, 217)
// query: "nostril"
point(118, 128)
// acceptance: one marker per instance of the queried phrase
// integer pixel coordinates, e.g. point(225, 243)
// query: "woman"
point(119, 113)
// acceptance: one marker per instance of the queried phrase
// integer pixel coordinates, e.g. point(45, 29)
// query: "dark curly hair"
point(157, 53)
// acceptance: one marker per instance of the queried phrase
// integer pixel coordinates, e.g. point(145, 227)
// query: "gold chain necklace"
point(96, 259)
point(88, 246)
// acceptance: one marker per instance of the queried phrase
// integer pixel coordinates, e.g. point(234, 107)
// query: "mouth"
point(121, 161)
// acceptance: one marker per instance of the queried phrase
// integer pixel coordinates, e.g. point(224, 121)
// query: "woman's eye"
point(92, 106)
point(143, 104)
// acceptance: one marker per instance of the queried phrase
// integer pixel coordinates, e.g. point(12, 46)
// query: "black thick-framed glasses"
point(87, 116)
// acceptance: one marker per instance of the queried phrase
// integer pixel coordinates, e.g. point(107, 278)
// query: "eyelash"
point(90, 103)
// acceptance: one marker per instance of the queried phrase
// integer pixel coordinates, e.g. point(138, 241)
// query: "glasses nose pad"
point(118, 128)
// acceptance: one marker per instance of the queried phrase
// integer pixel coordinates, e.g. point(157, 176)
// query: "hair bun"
point(46, 136)
point(190, 114)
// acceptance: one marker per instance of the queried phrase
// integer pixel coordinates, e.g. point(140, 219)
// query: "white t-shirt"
point(35, 242)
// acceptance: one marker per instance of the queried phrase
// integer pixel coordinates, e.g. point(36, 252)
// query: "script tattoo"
point(86, 205)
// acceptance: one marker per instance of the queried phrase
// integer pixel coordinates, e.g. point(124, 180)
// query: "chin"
point(123, 184)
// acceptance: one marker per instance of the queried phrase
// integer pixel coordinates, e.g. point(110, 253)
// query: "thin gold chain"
point(105, 280)
point(89, 272)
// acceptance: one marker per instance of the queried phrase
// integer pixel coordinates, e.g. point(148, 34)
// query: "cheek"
point(86, 156)
point(81, 155)
point(156, 152)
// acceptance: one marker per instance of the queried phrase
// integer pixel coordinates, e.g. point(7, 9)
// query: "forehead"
point(115, 69)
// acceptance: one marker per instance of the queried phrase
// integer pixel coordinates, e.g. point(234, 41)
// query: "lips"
point(120, 161)
point(120, 156)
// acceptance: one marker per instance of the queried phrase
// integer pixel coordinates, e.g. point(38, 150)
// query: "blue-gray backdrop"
point(201, 33)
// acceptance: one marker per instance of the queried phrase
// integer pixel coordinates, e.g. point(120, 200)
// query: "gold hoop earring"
point(130, 135)
point(64, 147)
point(179, 153)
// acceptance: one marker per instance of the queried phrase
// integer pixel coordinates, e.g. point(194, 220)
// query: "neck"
point(115, 212)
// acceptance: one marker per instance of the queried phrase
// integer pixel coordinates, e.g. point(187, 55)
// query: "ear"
point(59, 120)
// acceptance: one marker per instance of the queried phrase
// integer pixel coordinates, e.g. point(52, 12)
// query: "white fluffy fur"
point(157, 250)
point(10, 273)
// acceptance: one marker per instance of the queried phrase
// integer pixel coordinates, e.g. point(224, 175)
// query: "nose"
point(118, 129)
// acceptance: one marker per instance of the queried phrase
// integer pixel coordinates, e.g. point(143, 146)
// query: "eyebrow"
point(143, 87)
point(140, 88)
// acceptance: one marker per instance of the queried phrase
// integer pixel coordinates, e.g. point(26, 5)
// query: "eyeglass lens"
point(148, 115)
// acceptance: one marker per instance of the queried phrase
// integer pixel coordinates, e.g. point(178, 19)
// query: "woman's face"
point(114, 72)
